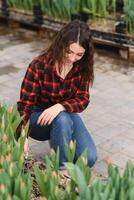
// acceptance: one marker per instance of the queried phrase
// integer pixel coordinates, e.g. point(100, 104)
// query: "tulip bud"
point(1, 170)
point(8, 197)
point(22, 184)
point(54, 174)
point(11, 169)
point(56, 190)
point(22, 157)
point(2, 188)
point(10, 109)
point(8, 148)
point(71, 145)
point(3, 122)
point(84, 160)
point(5, 138)
point(1, 159)
point(52, 152)
point(43, 198)
point(8, 157)
point(108, 160)
point(68, 188)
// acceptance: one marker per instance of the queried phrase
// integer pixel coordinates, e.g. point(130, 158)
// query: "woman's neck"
point(64, 71)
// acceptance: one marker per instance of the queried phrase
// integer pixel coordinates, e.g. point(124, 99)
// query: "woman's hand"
point(26, 148)
point(49, 114)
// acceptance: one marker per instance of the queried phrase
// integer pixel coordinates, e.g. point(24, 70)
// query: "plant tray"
point(106, 37)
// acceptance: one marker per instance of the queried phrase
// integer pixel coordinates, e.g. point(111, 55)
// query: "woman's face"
point(74, 53)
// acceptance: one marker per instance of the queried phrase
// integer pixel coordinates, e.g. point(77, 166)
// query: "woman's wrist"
point(61, 107)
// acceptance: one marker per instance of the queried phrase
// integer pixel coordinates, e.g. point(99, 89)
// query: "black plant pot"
point(38, 16)
point(120, 27)
point(119, 6)
point(5, 8)
point(81, 16)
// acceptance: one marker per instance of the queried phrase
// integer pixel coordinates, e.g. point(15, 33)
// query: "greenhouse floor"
point(109, 116)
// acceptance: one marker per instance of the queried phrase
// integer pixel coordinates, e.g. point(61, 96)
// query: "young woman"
point(56, 87)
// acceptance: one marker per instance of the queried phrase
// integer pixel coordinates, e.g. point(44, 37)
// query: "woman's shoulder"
point(40, 63)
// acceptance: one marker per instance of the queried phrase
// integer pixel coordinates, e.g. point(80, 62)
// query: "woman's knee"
point(91, 158)
point(75, 116)
point(63, 120)
point(34, 117)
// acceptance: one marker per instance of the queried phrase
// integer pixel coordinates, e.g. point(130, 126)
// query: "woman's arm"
point(30, 91)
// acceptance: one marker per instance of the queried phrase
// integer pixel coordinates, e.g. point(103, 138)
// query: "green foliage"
point(59, 9)
point(129, 14)
point(116, 186)
point(62, 9)
point(48, 183)
point(13, 183)
point(56, 9)
point(16, 185)
point(77, 176)
point(83, 165)
point(70, 150)
point(48, 179)
point(79, 186)
point(53, 161)
point(26, 5)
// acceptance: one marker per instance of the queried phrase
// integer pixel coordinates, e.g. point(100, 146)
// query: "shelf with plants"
point(18, 6)
point(102, 14)
point(108, 17)
point(129, 15)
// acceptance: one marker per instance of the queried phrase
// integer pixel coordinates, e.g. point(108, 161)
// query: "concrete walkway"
point(110, 115)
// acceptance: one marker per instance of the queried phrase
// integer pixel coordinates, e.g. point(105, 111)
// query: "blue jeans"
point(67, 126)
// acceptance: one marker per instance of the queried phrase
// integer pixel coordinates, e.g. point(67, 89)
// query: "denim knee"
point(92, 159)
point(63, 120)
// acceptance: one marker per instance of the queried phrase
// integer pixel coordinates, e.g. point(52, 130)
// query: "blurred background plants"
point(129, 15)
point(62, 10)
point(25, 5)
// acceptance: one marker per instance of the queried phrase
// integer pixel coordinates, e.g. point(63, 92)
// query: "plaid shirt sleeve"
point(29, 93)
point(80, 100)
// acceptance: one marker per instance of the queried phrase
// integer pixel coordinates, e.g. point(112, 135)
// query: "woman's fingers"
point(45, 118)
point(50, 120)
point(49, 114)
point(41, 118)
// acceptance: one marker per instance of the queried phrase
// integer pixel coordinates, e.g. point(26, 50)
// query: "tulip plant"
point(16, 185)
point(79, 186)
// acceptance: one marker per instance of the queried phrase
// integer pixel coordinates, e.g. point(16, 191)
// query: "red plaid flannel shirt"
point(43, 87)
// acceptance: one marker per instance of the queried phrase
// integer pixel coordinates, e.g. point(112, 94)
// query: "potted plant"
point(119, 6)
point(129, 15)
point(37, 12)
point(5, 8)
point(120, 25)
point(78, 12)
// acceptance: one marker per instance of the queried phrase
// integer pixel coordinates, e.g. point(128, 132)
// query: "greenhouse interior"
point(27, 28)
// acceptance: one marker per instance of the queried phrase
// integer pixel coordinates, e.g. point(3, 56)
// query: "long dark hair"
point(68, 35)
